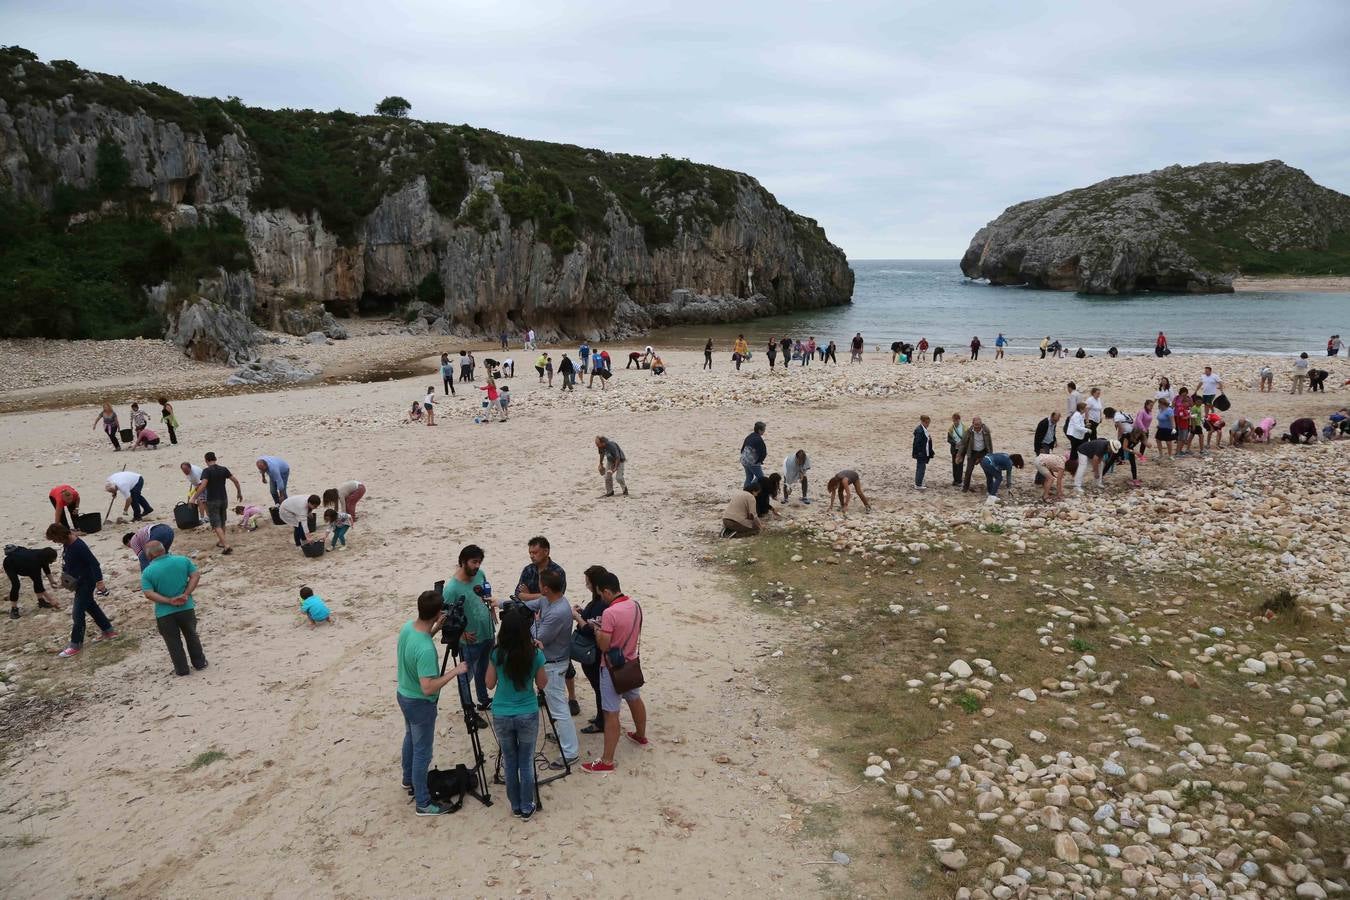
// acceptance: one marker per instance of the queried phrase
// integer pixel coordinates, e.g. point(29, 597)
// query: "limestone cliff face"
point(576, 262)
point(1180, 229)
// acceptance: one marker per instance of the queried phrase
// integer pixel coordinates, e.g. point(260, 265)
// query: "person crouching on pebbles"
point(839, 485)
point(1050, 466)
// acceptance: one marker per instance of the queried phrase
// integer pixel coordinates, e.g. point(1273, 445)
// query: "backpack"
point(748, 456)
point(448, 786)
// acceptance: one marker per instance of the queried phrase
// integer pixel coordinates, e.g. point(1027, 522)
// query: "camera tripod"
point(540, 755)
point(478, 788)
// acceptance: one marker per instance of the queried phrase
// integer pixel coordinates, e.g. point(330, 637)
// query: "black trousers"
point(592, 672)
point(178, 629)
point(173, 435)
point(956, 467)
point(707, 359)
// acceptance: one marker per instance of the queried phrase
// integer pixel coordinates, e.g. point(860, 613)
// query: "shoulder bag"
point(584, 649)
point(628, 677)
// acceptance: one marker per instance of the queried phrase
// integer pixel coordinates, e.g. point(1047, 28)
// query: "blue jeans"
point(85, 604)
point(920, 466)
point(340, 535)
point(752, 473)
point(993, 476)
point(476, 655)
point(555, 694)
point(516, 735)
point(419, 732)
point(278, 486)
point(139, 507)
point(161, 533)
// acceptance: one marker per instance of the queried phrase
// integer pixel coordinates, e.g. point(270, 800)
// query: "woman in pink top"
point(1264, 429)
point(146, 438)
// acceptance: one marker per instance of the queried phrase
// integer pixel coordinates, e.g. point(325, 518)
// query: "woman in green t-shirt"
point(516, 662)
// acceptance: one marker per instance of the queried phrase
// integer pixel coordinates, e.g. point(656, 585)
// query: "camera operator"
point(553, 633)
point(419, 687)
point(466, 587)
point(528, 590)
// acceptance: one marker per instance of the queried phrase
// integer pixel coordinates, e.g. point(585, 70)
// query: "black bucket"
point(276, 516)
point(127, 436)
point(185, 516)
point(89, 523)
point(312, 550)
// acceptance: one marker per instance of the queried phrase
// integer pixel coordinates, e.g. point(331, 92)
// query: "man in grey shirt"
point(611, 464)
point(553, 631)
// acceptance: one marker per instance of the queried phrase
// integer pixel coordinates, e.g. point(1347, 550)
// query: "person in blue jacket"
point(78, 562)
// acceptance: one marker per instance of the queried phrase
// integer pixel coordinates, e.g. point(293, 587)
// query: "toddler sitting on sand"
point(315, 610)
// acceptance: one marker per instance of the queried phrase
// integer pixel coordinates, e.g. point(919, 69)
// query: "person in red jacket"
point(66, 501)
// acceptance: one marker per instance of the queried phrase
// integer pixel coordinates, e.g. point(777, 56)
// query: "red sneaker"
point(106, 635)
point(597, 767)
point(640, 741)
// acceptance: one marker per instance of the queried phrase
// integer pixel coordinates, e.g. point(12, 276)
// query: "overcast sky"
point(901, 126)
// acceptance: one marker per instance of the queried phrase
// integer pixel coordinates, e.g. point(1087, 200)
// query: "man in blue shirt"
point(276, 472)
point(585, 353)
point(168, 582)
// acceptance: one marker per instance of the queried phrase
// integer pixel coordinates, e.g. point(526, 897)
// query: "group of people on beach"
point(140, 436)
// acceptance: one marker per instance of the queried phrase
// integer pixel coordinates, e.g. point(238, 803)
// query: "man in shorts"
point(212, 488)
point(1210, 386)
point(620, 628)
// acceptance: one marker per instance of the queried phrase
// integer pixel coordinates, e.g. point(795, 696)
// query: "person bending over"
point(998, 467)
point(23, 562)
point(838, 487)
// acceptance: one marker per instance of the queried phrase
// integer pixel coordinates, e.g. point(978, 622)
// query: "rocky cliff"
point(337, 212)
point(1182, 229)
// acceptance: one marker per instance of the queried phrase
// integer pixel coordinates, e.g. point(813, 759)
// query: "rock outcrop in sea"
point(1180, 229)
point(335, 212)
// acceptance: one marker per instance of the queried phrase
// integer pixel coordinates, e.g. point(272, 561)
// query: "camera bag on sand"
point(628, 677)
point(448, 786)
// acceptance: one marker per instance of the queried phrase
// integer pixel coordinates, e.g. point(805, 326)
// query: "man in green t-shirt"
point(168, 581)
point(419, 687)
point(466, 585)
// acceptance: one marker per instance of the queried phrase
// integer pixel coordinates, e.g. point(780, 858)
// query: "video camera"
point(455, 620)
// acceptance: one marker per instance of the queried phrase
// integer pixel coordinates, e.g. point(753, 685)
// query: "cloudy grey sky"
point(901, 126)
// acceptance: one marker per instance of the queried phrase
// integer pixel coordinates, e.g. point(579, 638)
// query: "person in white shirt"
point(294, 511)
point(1094, 411)
point(194, 478)
point(1165, 391)
point(429, 404)
point(1071, 405)
point(795, 468)
point(129, 485)
point(1300, 373)
point(1210, 386)
point(1076, 429)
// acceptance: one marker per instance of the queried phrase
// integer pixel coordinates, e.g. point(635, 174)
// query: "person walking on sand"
point(753, 453)
point(977, 442)
point(838, 487)
point(166, 415)
point(771, 351)
point(1046, 434)
point(999, 343)
point(707, 354)
point(129, 485)
point(1334, 345)
point(110, 424)
point(1077, 429)
point(23, 562)
point(465, 367)
point(975, 348)
point(1210, 386)
point(79, 562)
point(568, 370)
point(739, 350)
point(922, 452)
point(212, 491)
point(276, 473)
point(1160, 348)
point(829, 356)
point(923, 350)
point(955, 435)
point(1045, 344)
point(494, 399)
point(169, 582)
point(855, 349)
point(611, 465)
point(618, 640)
point(795, 467)
point(584, 356)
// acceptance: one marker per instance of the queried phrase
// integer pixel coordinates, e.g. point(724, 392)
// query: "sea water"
point(909, 299)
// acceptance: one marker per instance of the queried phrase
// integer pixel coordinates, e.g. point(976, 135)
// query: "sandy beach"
point(101, 795)
point(1329, 284)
